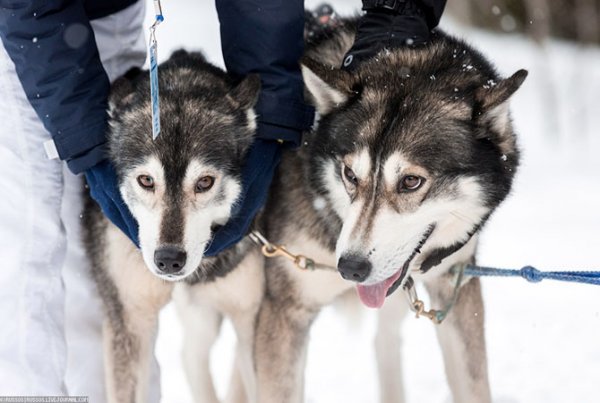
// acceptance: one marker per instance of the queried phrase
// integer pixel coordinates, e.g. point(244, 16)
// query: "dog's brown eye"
point(146, 182)
point(410, 182)
point(204, 184)
point(350, 175)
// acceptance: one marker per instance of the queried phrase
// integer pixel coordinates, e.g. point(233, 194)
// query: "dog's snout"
point(170, 259)
point(354, 268)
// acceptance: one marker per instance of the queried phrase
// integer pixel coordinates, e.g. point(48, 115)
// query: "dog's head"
point(184, 183)
point(414, 150)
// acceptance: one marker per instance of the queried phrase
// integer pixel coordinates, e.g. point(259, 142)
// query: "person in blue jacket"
point(57, 59)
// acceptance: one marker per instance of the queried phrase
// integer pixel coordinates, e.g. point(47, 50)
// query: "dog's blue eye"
point(410, 182)
point(146, 182)
point(350, 175)
point(204, 184)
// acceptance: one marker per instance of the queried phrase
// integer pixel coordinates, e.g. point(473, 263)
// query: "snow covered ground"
point(544, 339)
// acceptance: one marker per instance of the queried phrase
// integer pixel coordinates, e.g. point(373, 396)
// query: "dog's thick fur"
point(437, 112)
point(207, 126)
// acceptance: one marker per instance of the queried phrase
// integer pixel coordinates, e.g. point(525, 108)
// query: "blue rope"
point(534, 275)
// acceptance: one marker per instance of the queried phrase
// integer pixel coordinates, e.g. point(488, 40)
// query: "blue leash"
point(534, 275)
point(529, 273)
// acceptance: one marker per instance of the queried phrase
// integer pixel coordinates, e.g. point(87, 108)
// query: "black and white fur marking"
point(411, 140)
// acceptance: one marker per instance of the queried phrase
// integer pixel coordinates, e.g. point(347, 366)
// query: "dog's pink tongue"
point(373, 296)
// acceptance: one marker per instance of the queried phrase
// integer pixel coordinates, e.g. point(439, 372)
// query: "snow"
point(543, 339)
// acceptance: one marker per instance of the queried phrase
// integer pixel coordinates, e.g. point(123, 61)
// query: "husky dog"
point(413, 152)
point(178, 187)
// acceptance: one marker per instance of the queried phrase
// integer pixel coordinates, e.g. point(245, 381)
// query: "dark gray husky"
point(413, 152)
point(178, 187)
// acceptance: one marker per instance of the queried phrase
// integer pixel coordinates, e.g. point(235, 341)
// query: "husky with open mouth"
point(413, 152)
point(178, 187)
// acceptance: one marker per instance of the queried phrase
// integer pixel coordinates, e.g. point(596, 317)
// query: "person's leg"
point(121, 43)
point(32, 246)
point(83, 327)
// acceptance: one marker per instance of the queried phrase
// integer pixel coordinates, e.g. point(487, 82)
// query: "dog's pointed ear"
point(328, 86)
point(122, 89)
point(121, 93)
point(245, 94)
point(492, 112)
point(490, 96)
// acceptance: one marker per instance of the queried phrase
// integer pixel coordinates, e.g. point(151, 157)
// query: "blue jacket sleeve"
point(54, 51)
point(266, 37)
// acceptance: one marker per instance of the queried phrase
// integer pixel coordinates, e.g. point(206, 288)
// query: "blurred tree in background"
point(575, 20)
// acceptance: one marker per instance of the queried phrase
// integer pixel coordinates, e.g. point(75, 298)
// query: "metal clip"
point(418, 306)
point(270, 250)
point(300, 261)
point(419, 309)
point(437, 316)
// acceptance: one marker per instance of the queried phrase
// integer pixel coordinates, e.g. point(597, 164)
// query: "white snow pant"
point(50, 316)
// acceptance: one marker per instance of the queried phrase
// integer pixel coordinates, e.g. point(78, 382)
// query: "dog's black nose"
point(170, 259)
point(354, 268)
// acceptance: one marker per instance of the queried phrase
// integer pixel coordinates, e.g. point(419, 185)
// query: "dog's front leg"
point(388, 343)
point(128, 352)
point(201, 324)
point(462, 339)
point(244, 370)
point(281, 343)
point(247, 283)
point(132, 299)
